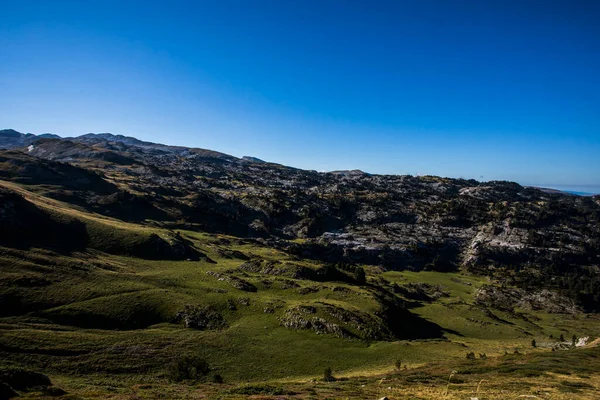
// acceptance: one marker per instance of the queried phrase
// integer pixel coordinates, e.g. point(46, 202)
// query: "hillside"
point(397, 222)
point(120, 257)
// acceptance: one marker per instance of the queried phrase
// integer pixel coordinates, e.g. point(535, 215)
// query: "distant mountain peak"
point(49, 136)
point(10, 133)
point(11, 139)
point(110, 137)
point(252, 159)
point(347, 172)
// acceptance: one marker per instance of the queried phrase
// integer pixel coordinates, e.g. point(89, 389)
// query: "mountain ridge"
point(96, 138)
point(394, 221)
point(144, 254)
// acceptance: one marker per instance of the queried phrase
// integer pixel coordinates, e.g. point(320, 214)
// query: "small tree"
point(328, 375)
point(562, 337)
point(573, 340)
point(398, 364)
point(360, 276)
point(533, 343)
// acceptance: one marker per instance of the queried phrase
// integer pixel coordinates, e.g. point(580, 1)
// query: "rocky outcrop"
point(172, 247)
point(304, 318)
point(290, 270)
point(509, 298)
point(422, 291)
point(201, 318)
point(236, 282)
point(387, 324)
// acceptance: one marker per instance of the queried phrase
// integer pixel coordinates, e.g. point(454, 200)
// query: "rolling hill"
point(122, 259)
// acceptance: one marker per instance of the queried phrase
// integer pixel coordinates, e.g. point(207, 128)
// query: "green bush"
point(327, 375)
point(398, 364)
point(360, 276)
point(189, 368)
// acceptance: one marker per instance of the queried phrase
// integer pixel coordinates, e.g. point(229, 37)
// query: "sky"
point(475, 89)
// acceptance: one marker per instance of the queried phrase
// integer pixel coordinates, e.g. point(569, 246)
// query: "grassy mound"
point(123, 311)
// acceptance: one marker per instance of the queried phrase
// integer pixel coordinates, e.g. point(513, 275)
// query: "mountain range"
point(131, 269)
point(397, 222)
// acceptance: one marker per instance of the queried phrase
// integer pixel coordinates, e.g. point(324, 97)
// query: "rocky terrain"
point(397, 222)
point(131, 269)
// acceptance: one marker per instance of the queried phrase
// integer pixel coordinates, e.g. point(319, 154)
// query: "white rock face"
point(509, 298)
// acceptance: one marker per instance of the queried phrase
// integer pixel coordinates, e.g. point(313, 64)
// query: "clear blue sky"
point(493, 89)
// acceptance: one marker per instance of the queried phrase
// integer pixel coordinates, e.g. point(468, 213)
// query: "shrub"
point(360, 276)
point(328, 375)
point(471, 356)
point(533, 343)
point(398, 364)
point(189, 368)
point(216, 378)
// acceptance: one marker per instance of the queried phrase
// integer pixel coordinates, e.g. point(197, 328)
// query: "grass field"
point(104, 325)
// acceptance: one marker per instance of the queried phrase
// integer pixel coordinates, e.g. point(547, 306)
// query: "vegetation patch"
point(189, 368)
point(264, 389)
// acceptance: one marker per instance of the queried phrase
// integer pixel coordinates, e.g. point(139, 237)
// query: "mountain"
point(252, 159)
point(397, 222)
point(120, 142)
point(48, 136)
point(135, 263)
point(10, 133)
point(10, 139)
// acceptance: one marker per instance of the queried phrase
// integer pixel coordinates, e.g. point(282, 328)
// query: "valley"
point(122, 260)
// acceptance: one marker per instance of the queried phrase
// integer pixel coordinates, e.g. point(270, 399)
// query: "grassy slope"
point(73, 293)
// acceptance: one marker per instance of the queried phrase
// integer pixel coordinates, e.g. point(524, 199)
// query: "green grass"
point(100, 323)
point(556, 375)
